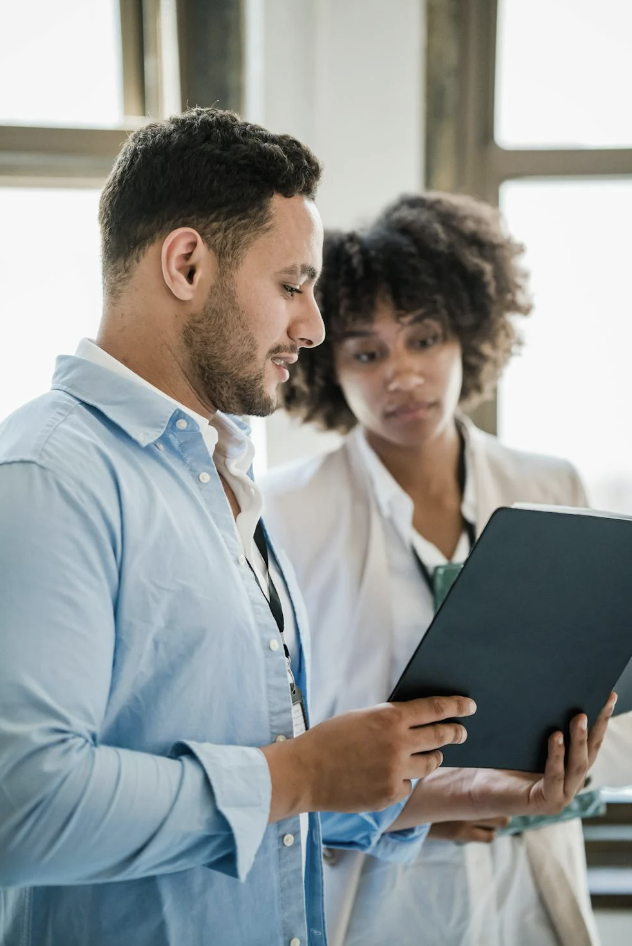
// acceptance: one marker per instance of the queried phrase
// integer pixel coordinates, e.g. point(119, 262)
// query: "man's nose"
point(310, 328)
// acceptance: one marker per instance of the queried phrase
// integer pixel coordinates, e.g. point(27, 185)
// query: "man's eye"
point(293, 290)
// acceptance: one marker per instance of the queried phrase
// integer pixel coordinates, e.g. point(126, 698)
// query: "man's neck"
point(157, 363)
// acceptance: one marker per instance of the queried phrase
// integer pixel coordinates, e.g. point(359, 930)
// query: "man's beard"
point(223, 354)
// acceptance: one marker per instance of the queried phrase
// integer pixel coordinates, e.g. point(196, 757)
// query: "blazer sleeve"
point(613, 766)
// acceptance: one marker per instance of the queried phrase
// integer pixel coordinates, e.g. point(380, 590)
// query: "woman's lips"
point(411, 410)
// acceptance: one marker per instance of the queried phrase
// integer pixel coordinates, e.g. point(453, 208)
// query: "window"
point(50, 283)
point(570, 393)
point(564, 74)
point(60, 63)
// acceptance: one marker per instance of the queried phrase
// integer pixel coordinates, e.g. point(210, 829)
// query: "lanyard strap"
point(274, 600)
point(423, 568)
point(299, 716)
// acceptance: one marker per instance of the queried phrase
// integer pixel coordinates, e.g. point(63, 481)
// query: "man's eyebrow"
point(296, 272)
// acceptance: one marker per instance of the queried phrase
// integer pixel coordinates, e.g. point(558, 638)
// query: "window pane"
point(50, 284)
point(564, 73)
point(570, 392)
point(60, 62)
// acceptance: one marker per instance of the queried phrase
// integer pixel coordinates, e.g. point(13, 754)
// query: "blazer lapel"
point(371, 630)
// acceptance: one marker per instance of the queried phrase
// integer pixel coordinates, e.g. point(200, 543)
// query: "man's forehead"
point(295, 237)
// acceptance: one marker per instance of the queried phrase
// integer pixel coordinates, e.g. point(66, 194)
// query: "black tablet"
point(536, 628)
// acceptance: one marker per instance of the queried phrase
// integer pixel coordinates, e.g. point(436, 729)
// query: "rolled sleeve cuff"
point(240, 779)
point(368, 832)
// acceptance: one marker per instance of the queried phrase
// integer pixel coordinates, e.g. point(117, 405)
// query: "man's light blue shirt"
point(137, 678)
point(139, 672)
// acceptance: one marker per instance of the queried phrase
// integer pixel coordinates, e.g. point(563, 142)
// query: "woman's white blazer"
point(322, 512)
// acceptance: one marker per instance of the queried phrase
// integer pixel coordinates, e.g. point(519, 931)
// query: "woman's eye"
point(365, 357)
point(293, 290)
point(427, 341)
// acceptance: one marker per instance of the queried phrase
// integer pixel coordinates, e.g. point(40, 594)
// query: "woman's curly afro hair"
point(446, 255)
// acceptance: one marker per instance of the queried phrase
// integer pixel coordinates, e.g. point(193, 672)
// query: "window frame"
point(461, 154)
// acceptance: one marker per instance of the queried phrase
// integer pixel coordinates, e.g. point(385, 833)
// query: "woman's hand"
point(479, 794)
point(465, 832)
point(520, 793)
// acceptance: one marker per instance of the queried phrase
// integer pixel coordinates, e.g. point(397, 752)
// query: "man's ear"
point(187, 262)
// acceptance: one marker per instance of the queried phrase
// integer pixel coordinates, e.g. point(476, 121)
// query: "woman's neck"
point(430, 474)
point(430, 468)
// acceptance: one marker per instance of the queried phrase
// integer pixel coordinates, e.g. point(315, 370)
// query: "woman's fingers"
point(577, 757)
point(554, 772)
point(598, 731)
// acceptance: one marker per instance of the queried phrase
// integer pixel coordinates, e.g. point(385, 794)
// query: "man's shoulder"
point(55, 431)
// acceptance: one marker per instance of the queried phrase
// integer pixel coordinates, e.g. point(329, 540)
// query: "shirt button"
point(288, 840)
point(295, 941)
point(242, 559)
point(182, 424)
point(274, 644)
point(280, 738)
point(204, 477)
point(160, 446)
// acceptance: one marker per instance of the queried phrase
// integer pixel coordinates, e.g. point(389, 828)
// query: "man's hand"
point(479, 794)
point(363, 760)
point(465, 832)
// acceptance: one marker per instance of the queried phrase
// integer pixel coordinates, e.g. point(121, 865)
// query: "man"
point(143, 650)
point(155, 776)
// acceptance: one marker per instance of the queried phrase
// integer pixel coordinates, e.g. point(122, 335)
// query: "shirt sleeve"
point(369, 832)
point(72, 809)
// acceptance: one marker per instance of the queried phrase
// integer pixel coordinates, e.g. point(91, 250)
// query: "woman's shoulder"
point(305, 475)
point(533, 476)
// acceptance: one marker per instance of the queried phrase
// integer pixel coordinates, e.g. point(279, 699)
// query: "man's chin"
point(263, 408)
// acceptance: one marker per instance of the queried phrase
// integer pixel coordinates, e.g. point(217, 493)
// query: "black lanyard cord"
point(274, 601)
point(470, 529)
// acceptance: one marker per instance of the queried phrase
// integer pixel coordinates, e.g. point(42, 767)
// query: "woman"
point(418, 310)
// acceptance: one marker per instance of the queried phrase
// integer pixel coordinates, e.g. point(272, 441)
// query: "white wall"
point(346, 77)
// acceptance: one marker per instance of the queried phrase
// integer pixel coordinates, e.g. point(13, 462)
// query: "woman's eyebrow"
point(355, 333)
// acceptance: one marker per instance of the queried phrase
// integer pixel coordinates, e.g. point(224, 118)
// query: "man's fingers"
point(424, 764)
point(427, 738)
point(433, 709)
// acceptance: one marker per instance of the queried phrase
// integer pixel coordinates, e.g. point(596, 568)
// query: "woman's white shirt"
point(411, 600)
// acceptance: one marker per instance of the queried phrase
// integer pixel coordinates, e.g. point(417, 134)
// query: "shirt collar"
point(392, 501)
point(139, 408)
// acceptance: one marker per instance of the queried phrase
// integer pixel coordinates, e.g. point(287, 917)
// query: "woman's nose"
point(404, 377)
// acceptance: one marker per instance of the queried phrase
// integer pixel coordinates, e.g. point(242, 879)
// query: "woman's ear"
point(187, 262)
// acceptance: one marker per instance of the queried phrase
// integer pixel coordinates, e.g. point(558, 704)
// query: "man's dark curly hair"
point(205, 169)
point(445, 256)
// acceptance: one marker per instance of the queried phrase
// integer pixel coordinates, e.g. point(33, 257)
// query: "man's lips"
point(284, 359)
point(281, 363)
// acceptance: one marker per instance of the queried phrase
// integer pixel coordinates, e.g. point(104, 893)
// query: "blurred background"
point(524, 103)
